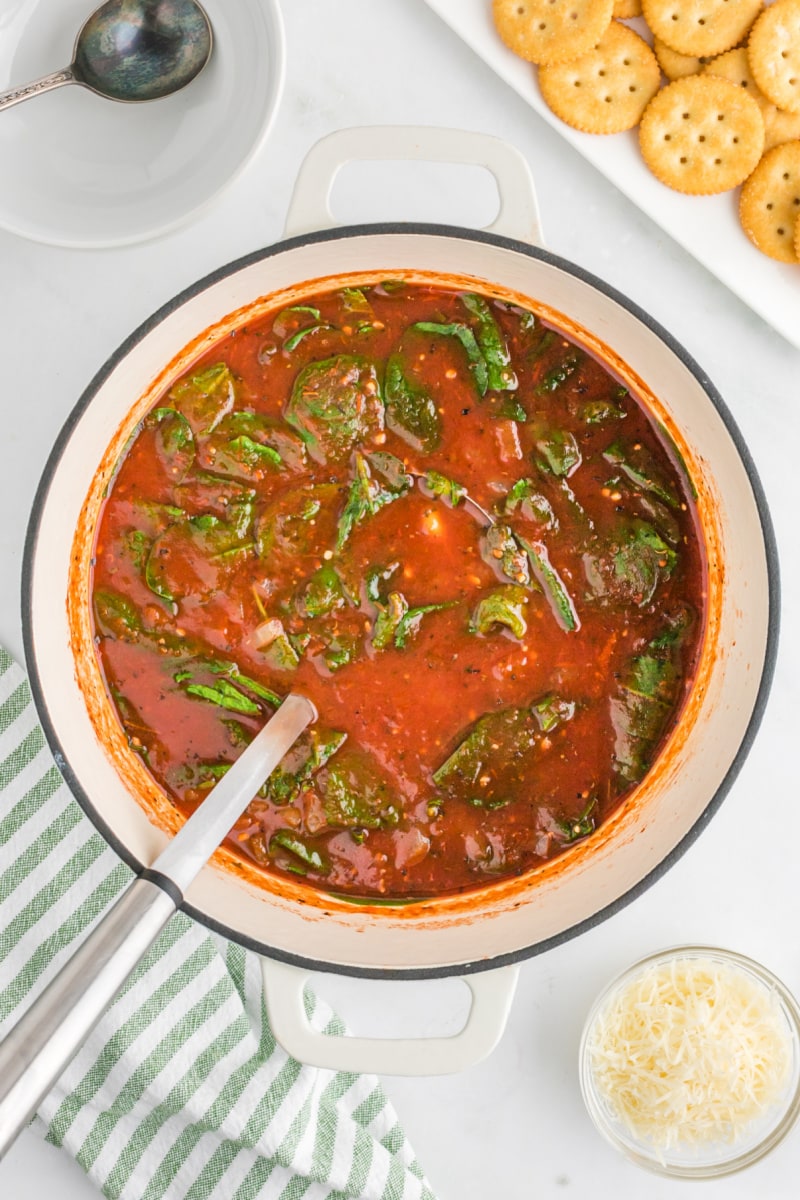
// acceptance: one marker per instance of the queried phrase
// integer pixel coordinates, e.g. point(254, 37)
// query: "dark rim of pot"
point(403, 229)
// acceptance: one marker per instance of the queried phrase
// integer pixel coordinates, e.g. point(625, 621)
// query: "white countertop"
point(514, 1126)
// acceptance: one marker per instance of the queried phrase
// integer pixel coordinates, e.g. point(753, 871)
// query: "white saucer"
point(81, 171)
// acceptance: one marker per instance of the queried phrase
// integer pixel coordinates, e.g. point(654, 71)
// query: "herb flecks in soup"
point(455, 532)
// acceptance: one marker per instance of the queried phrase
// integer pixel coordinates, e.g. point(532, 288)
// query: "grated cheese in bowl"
point(690, 1061)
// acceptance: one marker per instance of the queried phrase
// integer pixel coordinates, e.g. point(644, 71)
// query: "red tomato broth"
point(408, 707)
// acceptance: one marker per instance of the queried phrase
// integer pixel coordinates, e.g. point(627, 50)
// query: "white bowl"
point(82, 171)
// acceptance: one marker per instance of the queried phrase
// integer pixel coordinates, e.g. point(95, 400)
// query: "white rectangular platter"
point(707, 226)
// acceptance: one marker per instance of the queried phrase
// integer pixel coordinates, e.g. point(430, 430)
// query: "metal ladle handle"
point(44, 1041)
point(47, 83)
point(53, 1029)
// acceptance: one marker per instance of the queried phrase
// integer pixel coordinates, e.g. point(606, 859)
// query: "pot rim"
point(400, 229)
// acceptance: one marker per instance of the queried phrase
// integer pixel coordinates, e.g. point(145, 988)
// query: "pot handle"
point(492, 994)
point(309, 208)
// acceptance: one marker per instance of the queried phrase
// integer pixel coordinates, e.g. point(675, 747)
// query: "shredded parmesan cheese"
point(690, 1051)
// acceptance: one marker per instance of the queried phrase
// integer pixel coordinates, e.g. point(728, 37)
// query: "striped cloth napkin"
point(181, 1093)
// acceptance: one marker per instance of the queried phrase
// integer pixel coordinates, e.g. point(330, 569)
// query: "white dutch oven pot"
point(481, 936)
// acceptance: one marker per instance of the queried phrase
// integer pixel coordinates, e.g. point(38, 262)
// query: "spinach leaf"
point(303, 856)
point(247, 459)
point(444, 487)
point(135, 545)
point(502, 549)
point(225, 695)
point(227, 688)
point(643, 706)
point(525, 499)
point(551, 711)
point(640, 467)
point(335, 404)
point(559, 374)
point(281, 654)
point(396, 622)
point(581, 826)
point(354, 301)
point(174, 441)
point(244, 441)
point(117, 616)
point(388, 620)
point(299, 765)
point(393, 471)
point(546, 339)
point(552, 585)
point(660, 516)
point(485, 768)
point(631, 565)
point(493, 346)
point(289, 320)
point(409, 623)
point(410, 412)
point(597, 412)
point(354, 794)
point(559, 452)
point(300, 523)
point(191, 557)
point(206, 397)
point(323, 593)
point(477, 362)
point(367, 496)
point(374, 576)
point(503, 606)
point(156, 517)
point(340, 649)
point(294, 341)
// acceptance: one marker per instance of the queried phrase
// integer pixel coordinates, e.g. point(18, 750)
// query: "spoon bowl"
point(132, 51)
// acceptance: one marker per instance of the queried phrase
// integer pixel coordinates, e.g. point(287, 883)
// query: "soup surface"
point(450, 527)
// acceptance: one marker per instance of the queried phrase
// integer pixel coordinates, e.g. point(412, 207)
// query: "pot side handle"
point(492, 994)
point(309, 208)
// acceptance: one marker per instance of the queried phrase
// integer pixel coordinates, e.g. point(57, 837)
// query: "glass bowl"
point(707, 1158)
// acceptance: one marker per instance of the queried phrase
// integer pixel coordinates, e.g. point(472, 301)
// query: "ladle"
point(53, 1029)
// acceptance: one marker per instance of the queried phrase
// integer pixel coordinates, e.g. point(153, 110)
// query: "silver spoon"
point(132, 50)
point(53, 1029)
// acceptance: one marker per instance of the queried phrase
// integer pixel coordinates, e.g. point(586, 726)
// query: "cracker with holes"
point(551, 31)
point(774, 53)
point(675, 65)
point(700, 27)
point(780, 126)
point(734, 65)
point(701, 135)
point(769, 205)
point(606, 90)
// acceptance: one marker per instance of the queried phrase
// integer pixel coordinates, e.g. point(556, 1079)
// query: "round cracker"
point(734, 66)
point(701, 135)
point(675, 65)
point(551, 31)
point(769, 205)
point(774, 53)
point(797, 238)
point(606, 90)
point(627, 9)
point(701, 27)
point(780, 127)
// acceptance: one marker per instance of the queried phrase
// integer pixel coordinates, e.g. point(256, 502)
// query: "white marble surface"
point(513, 1126)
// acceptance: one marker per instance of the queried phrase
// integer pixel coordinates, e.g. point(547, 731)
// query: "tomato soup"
point(449, 526)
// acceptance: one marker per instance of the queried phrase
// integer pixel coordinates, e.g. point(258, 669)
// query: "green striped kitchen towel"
point(181, 1092)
